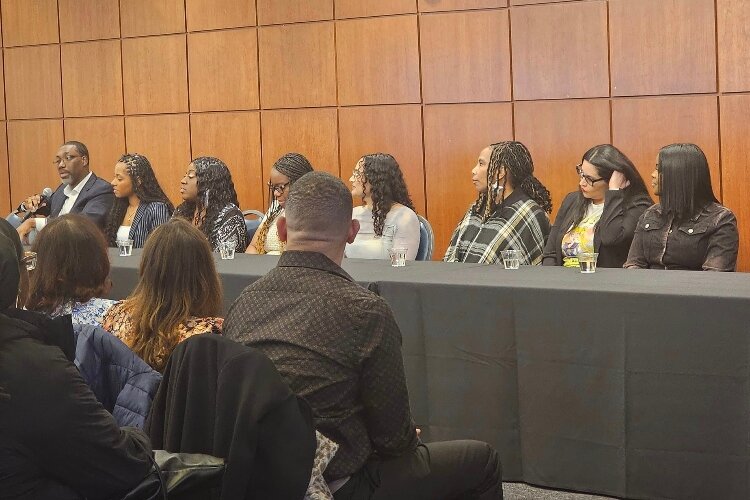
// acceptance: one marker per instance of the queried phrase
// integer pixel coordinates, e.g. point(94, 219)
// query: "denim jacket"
point(709, 241)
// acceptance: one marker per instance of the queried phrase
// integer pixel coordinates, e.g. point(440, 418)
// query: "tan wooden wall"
point(430, 81)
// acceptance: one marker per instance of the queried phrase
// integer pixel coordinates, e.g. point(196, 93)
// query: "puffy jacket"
point(122, 382)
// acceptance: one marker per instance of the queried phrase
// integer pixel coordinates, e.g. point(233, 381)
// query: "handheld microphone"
point(43, 203)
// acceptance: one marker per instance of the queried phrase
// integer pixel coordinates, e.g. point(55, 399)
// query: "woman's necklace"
point(129, 216)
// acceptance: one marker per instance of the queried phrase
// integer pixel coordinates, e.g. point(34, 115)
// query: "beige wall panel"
point(396, 130)
point(223, 70)
point(92, 78)
point(32, 145)
point(358, 8)
point(664, 47)
point(152, 17)
point(311, 132)
point(155, 74)
point(32, 82)
point(557, 134)
point(165, 140)
point(5, 198)
point(465, 57)
point(89, 20)
point(454, 135)
point(105, 139)
point(443, 5)
point(534, 2)
point(734, 45)
point(217, 14)
point(640, 127)
point(2, 85)
point(17, 28)
point(293, 11)
point(554, 57)
point(378, 60)
point(297, 65)
point(235, 138)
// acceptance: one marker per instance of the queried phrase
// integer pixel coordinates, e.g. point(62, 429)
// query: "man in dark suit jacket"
point(81, 191)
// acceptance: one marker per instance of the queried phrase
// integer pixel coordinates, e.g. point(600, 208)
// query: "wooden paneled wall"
point(430, 81)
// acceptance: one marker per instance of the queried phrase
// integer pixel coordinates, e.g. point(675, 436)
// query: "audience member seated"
point(57, 442)
point(602, 214)
point(210, 202)
point(509, 213)
point(7, 230)
point(688, 228)
point(377, 180)
point(72, 271)
point(140, 203)
point(178, 295)
point(284, 173)
point(338, 346)
point(81, 191)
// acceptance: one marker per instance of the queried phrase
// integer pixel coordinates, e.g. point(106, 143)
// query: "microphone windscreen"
point(47, 192)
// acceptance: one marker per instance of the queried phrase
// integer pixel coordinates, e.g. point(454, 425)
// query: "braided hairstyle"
point(387, 186)
point(516, 160)
point(294, 166)
point(215, 191)
point(145, 187)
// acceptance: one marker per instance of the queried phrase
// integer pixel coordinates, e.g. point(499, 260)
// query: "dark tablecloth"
point(623, 382)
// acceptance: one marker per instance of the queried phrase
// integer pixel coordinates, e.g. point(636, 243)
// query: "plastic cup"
point(398, 256)
point(226, 250)
point(511, 259)
point(587, 261)
point(126, 247)
point(29, 260)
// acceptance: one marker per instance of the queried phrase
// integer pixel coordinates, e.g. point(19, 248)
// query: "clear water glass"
point(511, 259)
point(226, 250)
point(126, 247)
point(398, 256)
point(587, 262)
point(29, 260)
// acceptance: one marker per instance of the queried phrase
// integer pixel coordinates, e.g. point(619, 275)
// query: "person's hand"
point(618, 181)
point(24, 229)
point(32, 203)
point(419, 431)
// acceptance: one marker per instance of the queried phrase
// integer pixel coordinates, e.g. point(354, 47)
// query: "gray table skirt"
point(627, 383)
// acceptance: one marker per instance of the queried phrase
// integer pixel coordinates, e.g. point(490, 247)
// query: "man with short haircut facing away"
point(338, 346)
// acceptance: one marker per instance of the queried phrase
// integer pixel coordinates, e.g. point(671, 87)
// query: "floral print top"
point(85, 313)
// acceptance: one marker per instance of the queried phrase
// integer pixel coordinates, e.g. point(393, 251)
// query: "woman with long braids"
point(510, 212)
point(602, 214)
point(210, 203)
point(377, 180)
point(284, 172)
point(140, 203)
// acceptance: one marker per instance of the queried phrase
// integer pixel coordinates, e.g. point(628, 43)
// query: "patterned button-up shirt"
point(338, 346)
point(519, 224)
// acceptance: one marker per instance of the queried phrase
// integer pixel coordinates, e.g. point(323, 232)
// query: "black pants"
point(447, 470)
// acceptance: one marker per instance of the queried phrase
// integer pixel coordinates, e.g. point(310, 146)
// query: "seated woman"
point(602, 214)
point(56, 440)
point(284, 173)
point(688, 228)
point(72, 270)
point(377, 180)
point(509, 213)
point(140, 204)
point(210, 202)
point(179, 295)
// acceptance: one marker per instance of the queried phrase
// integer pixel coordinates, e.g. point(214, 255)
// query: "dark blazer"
point(223, 398)
point(148, 217)
point(94, 201)
point(613, 233)
point(56, 440)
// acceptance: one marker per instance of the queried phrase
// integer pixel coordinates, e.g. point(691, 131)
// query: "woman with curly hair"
point(377, 180)
point(140, 203)
point(177, 296)
point(284, 172)
point(510, 212)
point(210, 202)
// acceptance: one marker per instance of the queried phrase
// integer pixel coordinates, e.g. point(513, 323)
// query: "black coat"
point(225, 399)
point(94, 201)
point(56, 440)
point(613, 234)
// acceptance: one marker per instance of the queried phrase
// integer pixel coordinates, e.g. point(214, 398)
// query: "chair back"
point(426, 239)
point(252, 225)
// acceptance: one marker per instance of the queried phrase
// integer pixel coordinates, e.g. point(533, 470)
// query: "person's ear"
point(352, 232)
point(85, 160)
point(281, 227)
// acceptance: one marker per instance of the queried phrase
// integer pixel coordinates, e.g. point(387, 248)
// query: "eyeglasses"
point(589, 180)
point(278, 188)
point(66, 158)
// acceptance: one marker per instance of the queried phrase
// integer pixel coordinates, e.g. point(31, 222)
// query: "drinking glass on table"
point(511, 259)
point(126, 247)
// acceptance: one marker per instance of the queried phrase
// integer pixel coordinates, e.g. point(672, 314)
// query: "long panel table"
point(629, 383)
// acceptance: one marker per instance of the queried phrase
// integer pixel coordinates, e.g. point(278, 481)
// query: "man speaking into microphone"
point(81, 191)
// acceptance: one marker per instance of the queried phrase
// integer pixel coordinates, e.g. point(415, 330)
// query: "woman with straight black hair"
point(689, 229)
point(602, 214)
